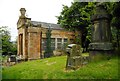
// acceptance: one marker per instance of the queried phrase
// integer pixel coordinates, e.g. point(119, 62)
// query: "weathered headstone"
point(12, 60)
point(74, 56)
point(101, 34)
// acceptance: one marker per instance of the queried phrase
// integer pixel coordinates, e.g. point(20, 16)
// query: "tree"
point(116, 21)
point(7, 46)
point(114, 11)
point(77, 18)
point(14, 47)
point(48, 51)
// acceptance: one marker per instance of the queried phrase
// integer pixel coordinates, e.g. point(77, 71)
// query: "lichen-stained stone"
point(74, 57)
point(101, 33)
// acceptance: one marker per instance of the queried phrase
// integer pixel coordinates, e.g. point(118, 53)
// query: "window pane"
point(43, 43)
point(59, 43)
point(65, 43)
point(59, 40)
point(53, 43)
point(71, 41)
point(52, 39)
point(65, 40)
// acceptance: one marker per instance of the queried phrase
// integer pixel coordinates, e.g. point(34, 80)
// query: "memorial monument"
point(74, 56)
point(101, 33)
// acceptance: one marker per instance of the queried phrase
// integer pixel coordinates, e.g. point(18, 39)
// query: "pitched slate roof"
point(47, 25)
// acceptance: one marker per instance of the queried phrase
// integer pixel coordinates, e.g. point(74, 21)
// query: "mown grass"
point(54, 68)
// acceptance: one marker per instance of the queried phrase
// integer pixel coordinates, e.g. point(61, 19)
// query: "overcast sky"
point(37, 10)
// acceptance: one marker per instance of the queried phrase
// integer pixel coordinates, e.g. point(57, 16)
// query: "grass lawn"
point(54, 68)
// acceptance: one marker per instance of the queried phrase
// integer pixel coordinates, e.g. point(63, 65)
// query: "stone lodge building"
point(32, 36)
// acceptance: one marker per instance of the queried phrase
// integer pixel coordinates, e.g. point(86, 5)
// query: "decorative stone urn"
point(22, 11)
point(101, 33)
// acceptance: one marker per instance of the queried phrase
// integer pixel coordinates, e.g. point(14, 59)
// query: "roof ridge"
point(45, 22)
point(46, 25)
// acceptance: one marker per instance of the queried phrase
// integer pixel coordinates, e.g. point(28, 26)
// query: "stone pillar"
point(41, 45)
point(20, 44)
point(101, 33)
point(22, 28)
point(26, 44)
point(55, 43)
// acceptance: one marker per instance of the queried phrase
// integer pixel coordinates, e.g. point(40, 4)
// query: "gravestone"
point(101, 34)
point(74, 57)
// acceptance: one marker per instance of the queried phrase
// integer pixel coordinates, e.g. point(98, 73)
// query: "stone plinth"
point(101, 46)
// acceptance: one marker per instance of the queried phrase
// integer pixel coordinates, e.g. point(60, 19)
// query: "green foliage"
point(77, 18)
point(114, 10)
point(7, 45)
point(54, 68)
point(14, 47)
point(48, 50)
point(116, 21)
